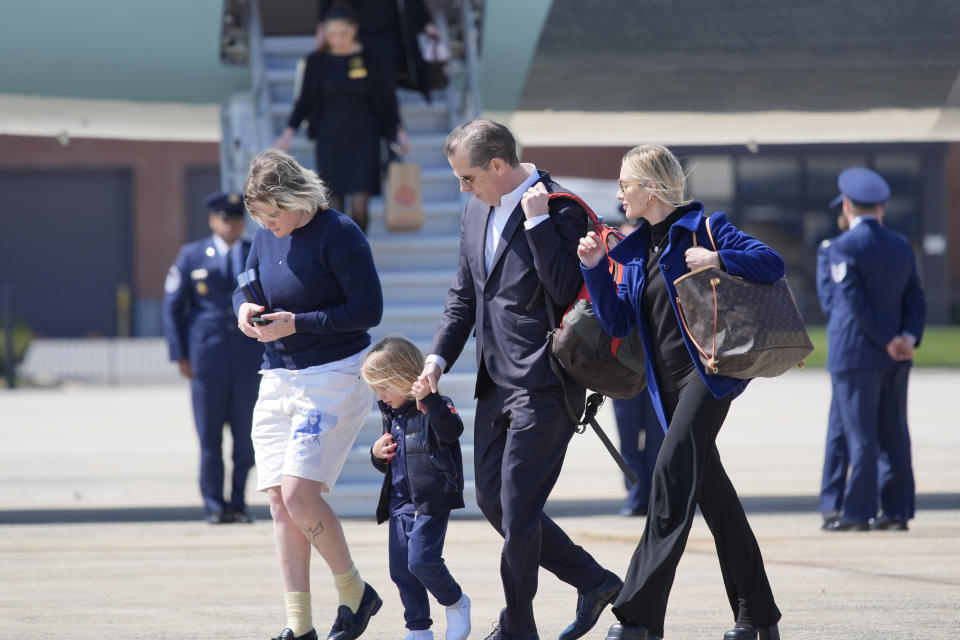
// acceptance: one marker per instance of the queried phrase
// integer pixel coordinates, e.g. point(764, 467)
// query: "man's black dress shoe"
point(287, 634)
point(350, 625)
point(845, 525)
point(752, 633)
point(883, 523)
point(629, 632)
point(828, 522)
point(630, 512)
point(590, 604)
point(498, 634)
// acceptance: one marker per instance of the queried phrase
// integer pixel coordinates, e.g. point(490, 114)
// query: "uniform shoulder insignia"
point(838, 271)
point(825, 243)
point(172, 281)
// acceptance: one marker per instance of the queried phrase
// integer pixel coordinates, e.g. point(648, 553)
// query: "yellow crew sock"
point(299, 614)
point(350, 588)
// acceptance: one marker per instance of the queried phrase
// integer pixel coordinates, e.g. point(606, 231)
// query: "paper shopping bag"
point(403, 203)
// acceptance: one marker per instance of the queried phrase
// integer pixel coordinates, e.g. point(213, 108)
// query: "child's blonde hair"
point(394, 363)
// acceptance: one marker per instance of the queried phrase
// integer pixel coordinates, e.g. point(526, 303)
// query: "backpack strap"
point(594, 220)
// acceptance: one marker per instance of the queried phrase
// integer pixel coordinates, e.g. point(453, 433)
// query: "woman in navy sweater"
point(322, 295)
point(693, 403)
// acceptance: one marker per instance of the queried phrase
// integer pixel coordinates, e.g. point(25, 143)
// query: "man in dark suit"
point(876, 312)
point(221, 363)
point(517, 271)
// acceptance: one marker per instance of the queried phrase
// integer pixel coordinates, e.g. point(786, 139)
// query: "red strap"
point(597, 225)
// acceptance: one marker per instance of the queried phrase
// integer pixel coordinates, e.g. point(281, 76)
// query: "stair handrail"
point(472, 107)
point(258, 76)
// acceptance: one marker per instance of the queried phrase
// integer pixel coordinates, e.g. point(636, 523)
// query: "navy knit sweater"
point(323, 273)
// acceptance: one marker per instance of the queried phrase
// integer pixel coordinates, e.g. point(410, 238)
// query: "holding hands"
point(426, 383)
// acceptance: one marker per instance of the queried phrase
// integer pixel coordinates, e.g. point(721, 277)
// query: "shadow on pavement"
point(555, 508)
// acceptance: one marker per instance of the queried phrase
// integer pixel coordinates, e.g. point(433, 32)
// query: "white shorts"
point(305, 422)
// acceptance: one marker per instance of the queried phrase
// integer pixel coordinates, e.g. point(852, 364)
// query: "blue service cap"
point(225, 203)
point(862, 186)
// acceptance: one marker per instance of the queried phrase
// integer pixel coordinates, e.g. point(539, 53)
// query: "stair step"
point(403, 286)
point(288, 45)
point(417, 118)
point(426, 149)
point(431, 249)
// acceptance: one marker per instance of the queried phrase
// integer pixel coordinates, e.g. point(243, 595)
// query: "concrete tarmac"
point(100, 536)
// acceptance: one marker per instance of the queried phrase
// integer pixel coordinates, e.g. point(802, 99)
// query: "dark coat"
point(198, 318)
point(507, 307)
point(618, 309)
point(431, 449)
point(868, 285)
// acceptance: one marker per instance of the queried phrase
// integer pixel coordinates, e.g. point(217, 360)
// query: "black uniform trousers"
point(689, 473)
point(520, 440)
point(218, 400)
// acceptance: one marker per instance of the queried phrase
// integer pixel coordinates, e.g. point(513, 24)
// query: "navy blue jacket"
point(198, 318)
point(431, 448)
point(507, 306)
point(618, 309)
point(868, 285)
point(324, 274)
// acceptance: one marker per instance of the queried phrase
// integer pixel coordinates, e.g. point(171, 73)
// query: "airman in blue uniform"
point(221, 363)
point(868, 286)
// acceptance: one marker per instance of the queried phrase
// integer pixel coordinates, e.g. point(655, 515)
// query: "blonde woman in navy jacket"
point(690, 403)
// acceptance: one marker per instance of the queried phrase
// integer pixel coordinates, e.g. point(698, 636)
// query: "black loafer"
point(752, 633)
point(846, 525)
point(590, 604)
point(883, 523)
point(498, 634)
point(287, 634)
point(350, 625)
point(629, 632)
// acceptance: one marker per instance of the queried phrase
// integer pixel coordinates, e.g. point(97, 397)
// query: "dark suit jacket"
point(508, 306)
point(871, 295)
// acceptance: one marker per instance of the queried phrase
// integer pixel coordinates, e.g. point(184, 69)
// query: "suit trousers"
point(417, 566)
point(895, 483)
point(218, 400)
point(859, 395)
point(688, 473)
point(835, 463)
point(895, 467)
point(520, 440)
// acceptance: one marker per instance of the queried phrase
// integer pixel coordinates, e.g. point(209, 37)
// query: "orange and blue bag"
point(614, 367)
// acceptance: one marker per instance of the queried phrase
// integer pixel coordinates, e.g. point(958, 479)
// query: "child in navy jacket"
point(419, 453)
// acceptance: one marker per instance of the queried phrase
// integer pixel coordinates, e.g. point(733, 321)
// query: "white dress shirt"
point(495, 225)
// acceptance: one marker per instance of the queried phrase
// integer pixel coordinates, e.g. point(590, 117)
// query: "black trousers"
point(520, 439)
point(689, 473)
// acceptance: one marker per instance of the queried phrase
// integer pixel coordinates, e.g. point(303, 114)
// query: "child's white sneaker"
point(420, 634)
point(458, 619)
